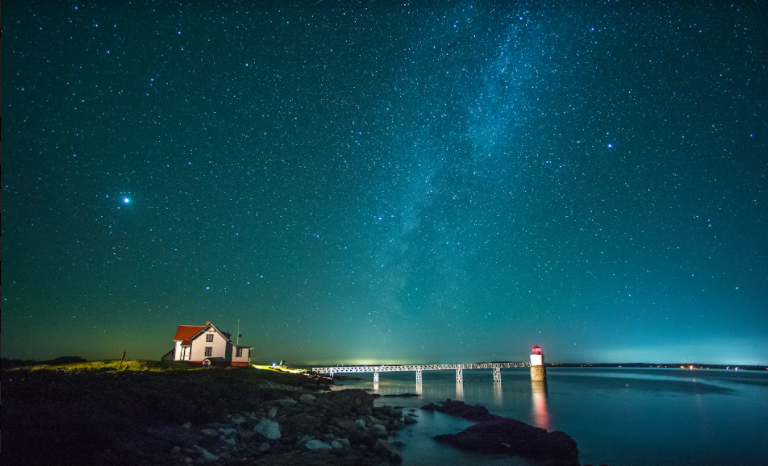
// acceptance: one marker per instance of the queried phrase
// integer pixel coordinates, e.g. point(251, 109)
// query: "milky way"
point(441, 182)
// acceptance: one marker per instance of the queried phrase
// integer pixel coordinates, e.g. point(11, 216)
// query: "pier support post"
point(375, 377)
point(331, 374)
point(497, 374)
point(459, 375)
point(418, 377)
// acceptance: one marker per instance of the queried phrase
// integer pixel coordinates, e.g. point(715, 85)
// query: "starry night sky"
point(388, 182)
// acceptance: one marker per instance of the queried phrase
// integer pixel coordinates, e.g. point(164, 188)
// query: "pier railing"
point(419, 368)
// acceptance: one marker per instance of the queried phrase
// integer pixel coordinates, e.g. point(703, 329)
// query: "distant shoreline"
point(686, 366)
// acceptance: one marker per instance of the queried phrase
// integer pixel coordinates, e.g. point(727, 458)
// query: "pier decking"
point(420, 368)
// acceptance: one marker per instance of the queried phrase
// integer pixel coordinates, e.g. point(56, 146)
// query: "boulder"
point(272, 412)
point(269, 429)
point(346, 424)
point(462, 410)
point(303, 423)
point(264, 447)
point(207, 455)
point(286, 402)
point(383, 448)
point(379, 430)
point(342, 402)
point(227, 431)
point(315, 445)
point(307, 398)
point(210, 432)
point(344, 442)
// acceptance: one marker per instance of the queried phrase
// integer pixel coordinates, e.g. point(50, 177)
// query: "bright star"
point(126, 200)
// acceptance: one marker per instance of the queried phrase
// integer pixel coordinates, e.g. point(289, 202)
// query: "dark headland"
point(69, 411)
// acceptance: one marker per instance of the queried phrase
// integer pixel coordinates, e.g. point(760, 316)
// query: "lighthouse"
point(538, 372)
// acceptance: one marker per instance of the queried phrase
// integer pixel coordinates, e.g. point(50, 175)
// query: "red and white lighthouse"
point(537, 364)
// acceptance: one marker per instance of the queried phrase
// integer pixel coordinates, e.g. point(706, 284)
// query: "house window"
point(239, 353)
point(209, 337)
point(208, 350)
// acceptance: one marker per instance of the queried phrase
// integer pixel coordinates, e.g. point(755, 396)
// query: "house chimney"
point(207, 322)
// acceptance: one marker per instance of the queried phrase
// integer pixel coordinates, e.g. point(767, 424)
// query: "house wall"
point(243, 360)
point(168, 356)
point(219, 345)
point(178, 352)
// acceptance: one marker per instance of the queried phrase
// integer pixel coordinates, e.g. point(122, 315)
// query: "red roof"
point(185, 332)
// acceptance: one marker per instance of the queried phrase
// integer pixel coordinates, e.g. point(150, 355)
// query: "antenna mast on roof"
point(238, 332)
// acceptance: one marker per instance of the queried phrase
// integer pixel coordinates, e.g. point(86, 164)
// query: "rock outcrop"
point(460, 409)
point(499, 435)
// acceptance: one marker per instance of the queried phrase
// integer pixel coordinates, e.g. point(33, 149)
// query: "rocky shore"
point(155, 415)
point(337, 427)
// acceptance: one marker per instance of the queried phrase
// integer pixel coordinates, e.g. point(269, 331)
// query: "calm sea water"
point(617, 416)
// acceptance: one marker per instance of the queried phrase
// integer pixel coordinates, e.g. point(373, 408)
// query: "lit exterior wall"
point(242, 359)
point(218, 345)
point(181, 353)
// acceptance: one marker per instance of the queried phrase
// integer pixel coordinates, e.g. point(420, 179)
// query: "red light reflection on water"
point(540, 411)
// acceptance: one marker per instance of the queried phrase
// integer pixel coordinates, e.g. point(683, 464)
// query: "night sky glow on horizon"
point(378, 182)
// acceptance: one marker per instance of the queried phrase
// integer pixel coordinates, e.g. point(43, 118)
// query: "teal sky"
point(387, 182)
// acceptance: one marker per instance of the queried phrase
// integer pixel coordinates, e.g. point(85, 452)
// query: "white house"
point(206, 344)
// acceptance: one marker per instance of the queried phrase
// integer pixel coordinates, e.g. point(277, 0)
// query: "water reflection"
point(498, 398)
point(460, 391)
point(540, 411)
point(375, 387)
point(419, 388)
